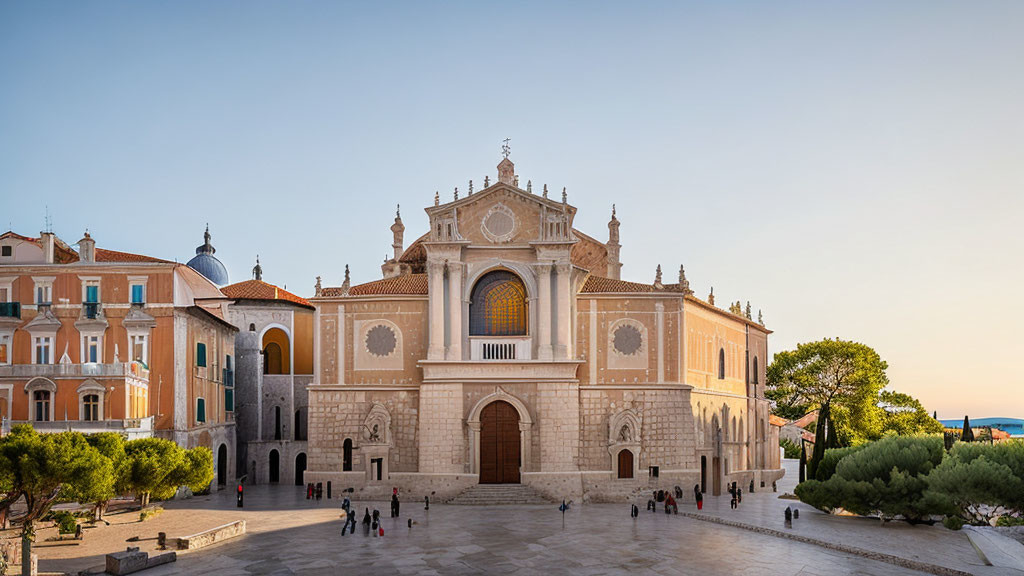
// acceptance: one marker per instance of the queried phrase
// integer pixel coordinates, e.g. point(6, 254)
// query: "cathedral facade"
point(503, 347)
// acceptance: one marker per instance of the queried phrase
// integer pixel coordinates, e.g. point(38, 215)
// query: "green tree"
point(903, 414)
point(40, 468)
point(157, 467)
point(111, 446)
point(823, 375)
point(968, 433)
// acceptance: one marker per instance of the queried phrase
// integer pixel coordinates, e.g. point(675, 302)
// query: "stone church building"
point(502, 347)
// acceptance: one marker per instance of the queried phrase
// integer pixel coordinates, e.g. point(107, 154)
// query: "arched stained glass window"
point(498, 306)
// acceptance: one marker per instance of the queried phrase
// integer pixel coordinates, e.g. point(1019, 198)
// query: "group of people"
point(737, 495)
point(314, 491)
point(371, 521)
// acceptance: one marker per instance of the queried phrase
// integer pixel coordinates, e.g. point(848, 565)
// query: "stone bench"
point(133, 560)
point(205, 538)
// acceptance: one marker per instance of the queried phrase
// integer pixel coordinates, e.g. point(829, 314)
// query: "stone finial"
point(437, 198)
point(747, 312)
point(684, 284)
point(487, 181)
point(545, 190)
point(397, 233)
point(317, 288)
point(515, 181)
point(711, 297)
point(398, 212)
point(257, 270)
point(529, 186)
point(736, 308)
point(470, 188)
point(456, 192)
point(565, 196)
point(347, 283)
point(657, 278)
point(760, 318)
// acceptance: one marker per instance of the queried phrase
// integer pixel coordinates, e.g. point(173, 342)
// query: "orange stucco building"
point(100, 340)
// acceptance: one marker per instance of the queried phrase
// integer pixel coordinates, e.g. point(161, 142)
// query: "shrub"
point(791, 450)
point(1007, 520)
point(980, 482)
point(149, 513)
point(66, 521)
point(953, 522)
point(831, 459)
point(886, 477)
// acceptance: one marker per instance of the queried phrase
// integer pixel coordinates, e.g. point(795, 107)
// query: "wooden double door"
point(499, 444)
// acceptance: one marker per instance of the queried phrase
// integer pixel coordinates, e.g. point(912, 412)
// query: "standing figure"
point(394, 503)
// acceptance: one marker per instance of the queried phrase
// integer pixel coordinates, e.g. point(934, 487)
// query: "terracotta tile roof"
point(104, 255)
point(600, 285)
point(406, 284)
point(805, 420)
point(260, 290)
point(777, 420)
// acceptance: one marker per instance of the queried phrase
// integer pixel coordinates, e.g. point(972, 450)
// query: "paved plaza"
point(289, 535)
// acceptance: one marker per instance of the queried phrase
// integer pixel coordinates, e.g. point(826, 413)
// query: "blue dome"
point(207, 264)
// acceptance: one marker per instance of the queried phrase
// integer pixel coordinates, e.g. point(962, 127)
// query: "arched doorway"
point(275, 467)
point(276, 352)
point(222, 465)
point(625, 464)
point(300, 468)
point(499, 444)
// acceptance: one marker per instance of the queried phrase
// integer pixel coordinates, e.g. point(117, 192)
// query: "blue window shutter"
point(137, 294)
point(201, 410)
point(201, 354)
point(92, 293)
point(229, 399)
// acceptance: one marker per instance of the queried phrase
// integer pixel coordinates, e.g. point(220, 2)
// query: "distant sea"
point(1015, 426)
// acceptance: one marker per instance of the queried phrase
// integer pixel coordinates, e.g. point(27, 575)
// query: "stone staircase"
point(498, 495)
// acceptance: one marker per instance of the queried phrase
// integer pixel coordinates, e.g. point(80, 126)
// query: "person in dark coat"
point(366, 522)
point(394, 503)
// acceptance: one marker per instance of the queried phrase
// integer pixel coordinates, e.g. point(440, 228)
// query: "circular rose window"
point(381, 340)
point(627, 340)
point(499, 224)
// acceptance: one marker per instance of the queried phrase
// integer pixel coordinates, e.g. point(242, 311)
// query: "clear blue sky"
point(853, 169)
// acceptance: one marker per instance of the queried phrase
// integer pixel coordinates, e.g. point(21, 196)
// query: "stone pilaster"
point(544, 351)
point(435, 289)
point(455, 310)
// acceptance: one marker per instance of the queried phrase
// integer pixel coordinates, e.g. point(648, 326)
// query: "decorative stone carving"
point(377, 425)
point(378, 345)
point(500, 224)
point(627, 345)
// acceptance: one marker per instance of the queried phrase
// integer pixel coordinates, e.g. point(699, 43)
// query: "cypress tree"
point(968, 434)
point(803, 464)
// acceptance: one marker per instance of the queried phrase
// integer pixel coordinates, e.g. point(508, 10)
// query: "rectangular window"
point(6, 251)
point(201, 410)
point(229, 399)
point(43, 344)
point(92, 349)
point(138, 345)
point(201, 354)
point(42, 402)
point(44, 293)
point(138, 294)
point(92, 293)
point(5, 353)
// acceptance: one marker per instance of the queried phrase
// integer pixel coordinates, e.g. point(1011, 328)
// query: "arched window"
point(498, 305)
point(346, 459)
point(277, 422)
point(721, 363)
point(252, 327)
point(41, 399)
point(755, 370)
point(300, 424)
point(91, 407)
point(276, 352)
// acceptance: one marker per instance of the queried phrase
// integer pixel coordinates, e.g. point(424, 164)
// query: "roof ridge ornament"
point(565, 195)
point(684, 284)
point(529, 186)
point(347, 283)
point(257, 270)
point(505, 148)
point(545, 190)
point(487, 181)
point(437, 198)
point(657, 278)
point(317, 288)
point(456, 192)
point(711, 297)
point(470, 188)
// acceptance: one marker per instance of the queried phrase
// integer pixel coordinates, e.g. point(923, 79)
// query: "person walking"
point(698, 497)
point(344, 521)
point(739, 495)
point(670, 505)
point(394, 503)
point(366, 522)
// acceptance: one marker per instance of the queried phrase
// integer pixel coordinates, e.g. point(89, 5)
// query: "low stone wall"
point(411, 485)
point(205, 538)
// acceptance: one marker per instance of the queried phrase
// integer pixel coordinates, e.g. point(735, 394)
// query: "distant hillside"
point(1015, 426)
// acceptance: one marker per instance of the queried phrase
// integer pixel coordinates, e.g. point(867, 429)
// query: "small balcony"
point(92, 310)
point(133, 370)
point(500, 348)
point(10, 310)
